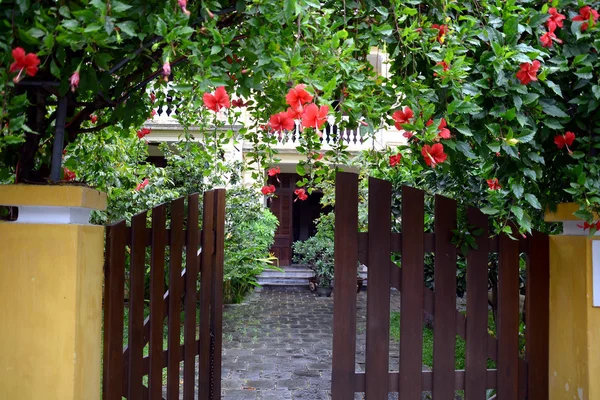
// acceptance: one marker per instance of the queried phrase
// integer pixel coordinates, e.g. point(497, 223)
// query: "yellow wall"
point(574, 323)
point(51, 298)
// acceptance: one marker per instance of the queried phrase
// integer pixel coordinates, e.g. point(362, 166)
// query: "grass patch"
point(459, 349)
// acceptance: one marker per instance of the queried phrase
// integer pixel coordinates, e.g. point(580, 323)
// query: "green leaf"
point(92, 28)
point(117, 6)
point(464, 130)
point(596, 91)
point(215, 49)
point(518, 101)
point(536, 158)
point(530, 173)
point(518, 189)
point(290, 9)
point(465, 149)
point(528, 137)
point(555, 88)
point(578, 154)
point(300, 170)
point(495, 147)
point(128, 27)
point(552, 110)
point(36, 33)
point(531, 199)
point(517, 211)
point(489, 211)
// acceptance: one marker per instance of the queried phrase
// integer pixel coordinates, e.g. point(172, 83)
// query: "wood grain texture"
point(189, 300)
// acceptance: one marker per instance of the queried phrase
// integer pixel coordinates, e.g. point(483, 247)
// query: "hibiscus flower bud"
point(74, 80)
point(93, 119)
point(183, 5)
point(166, 70)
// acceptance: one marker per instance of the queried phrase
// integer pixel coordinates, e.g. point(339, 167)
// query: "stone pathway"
point(277, 346)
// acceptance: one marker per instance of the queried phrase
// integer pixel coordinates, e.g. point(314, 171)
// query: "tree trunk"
point(36, 121)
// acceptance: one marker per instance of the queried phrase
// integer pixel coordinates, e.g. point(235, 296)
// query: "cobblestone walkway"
point(277, 346)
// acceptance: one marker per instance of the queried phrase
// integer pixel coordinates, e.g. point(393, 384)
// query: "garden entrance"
point(162, 335)
point(494, 365)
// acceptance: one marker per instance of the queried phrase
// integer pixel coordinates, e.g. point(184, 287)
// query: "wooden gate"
point(147, 350)
point(514, 377)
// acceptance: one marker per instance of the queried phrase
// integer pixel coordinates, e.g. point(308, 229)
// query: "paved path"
point(277, 346)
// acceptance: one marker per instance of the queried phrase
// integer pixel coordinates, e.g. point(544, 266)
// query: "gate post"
point(574, 320)
point(51, 293)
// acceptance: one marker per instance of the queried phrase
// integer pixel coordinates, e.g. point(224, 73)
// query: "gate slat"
point(216, 322)
point(114, 312)
point(175, 290)
point(444, 334)
point(411, 296)
point(378, 295)
point(157, 290)
point(190, 349)
point(477, 309)
point(344, 305)
point(205, 295)
point(508, 319)
point(537, 316)
point(137, 272)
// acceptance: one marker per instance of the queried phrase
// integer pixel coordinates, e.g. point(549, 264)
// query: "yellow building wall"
point(51, 297)
point(574, 323)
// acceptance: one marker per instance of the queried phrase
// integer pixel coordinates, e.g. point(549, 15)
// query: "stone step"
point(294, 275)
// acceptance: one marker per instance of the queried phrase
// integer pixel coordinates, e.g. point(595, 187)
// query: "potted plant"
point(317, 253)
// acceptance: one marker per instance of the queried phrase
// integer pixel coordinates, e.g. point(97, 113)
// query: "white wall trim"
point(571, 228)
point(53, 215)
point(596, 273)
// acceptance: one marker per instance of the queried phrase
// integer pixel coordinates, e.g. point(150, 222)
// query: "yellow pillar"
point(51, 263)
point(574, 310)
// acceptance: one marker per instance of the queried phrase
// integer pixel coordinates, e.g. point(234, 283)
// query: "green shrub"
point(249, 234)
point(317, 251)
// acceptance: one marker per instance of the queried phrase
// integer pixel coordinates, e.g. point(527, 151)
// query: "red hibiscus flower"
point(555, 20)
point(294, 113)
point(142, 185)
point(433, 155)
point(442, 31)
point(183, 5)
point(218, 100)
point(297, 97)
point(152, 97)
point(402, 116)
point(166, 70)
point(395, 160)
point(301, 193)
point(143, 132)
point(528, 72)
point(547, 39)
point(314, 117)
point(273, 171)
point(239, 103)
point(319, 156)
point(408, 134)
point(564, 140)
point(28, 62)
point(74, 80)
point(494, 184)
point(267, 190)
point(281, 122)
point(444, 132)
point(585, 14)
point(429, 123)
point(587, 225)
point(68, 175)
point(93, 118)
point(152, 114)
point(445, 67)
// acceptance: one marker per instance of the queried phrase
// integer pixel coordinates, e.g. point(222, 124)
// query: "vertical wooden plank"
point(411, 297)
point(477, 309)
point(205, 295)
point(508, 319)
point(189, 327)
point(114, 311)
point(378, 295)
point(137, 272)
point(444, 333)
point(537, 316)
point(157, 290)
point(175, 290)
point(344, 304)
point(216, 306)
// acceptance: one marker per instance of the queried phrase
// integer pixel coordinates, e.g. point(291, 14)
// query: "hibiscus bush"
point(498, 100)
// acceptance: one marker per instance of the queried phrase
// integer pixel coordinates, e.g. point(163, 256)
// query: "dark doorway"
point(296, 217)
